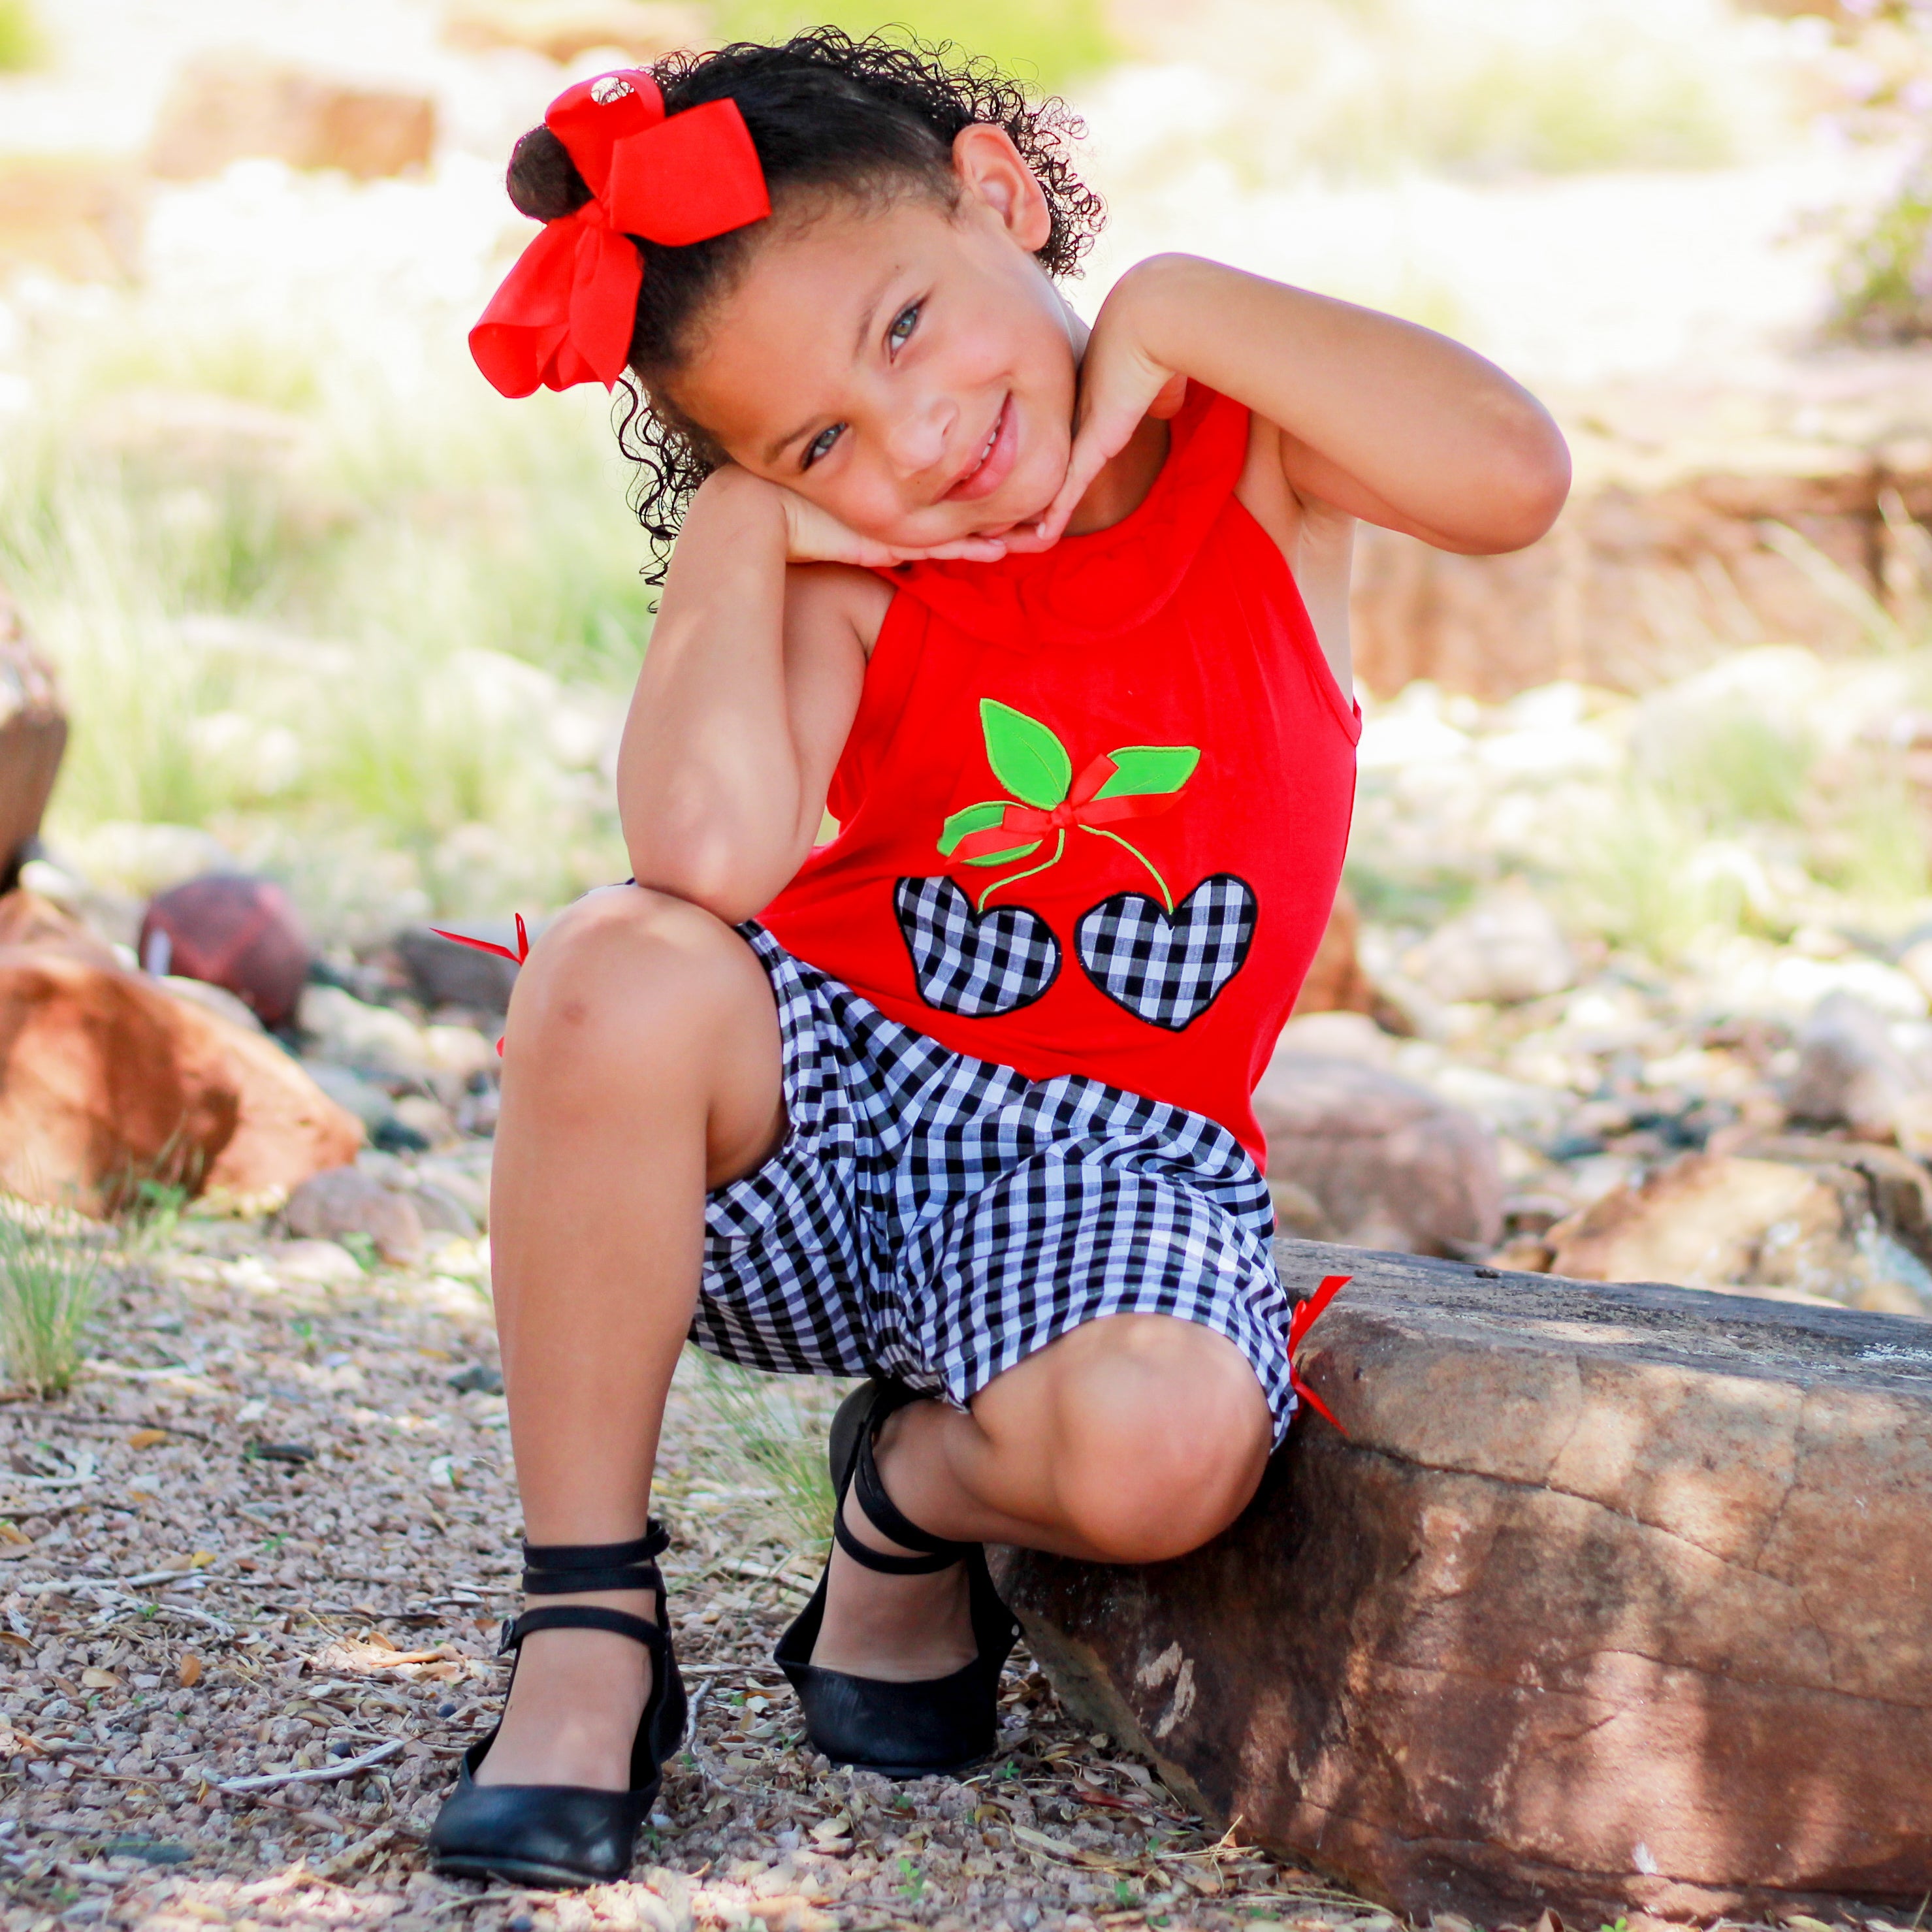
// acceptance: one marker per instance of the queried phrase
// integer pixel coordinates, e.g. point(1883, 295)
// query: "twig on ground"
point(320, 1773)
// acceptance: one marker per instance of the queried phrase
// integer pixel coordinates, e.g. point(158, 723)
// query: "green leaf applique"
point(1029, 760)
point(1026, 757)
point(981, 818)
point(1141, 769)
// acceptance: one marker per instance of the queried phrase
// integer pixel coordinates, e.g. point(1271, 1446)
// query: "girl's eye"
point(821, 445)
point(904, 323)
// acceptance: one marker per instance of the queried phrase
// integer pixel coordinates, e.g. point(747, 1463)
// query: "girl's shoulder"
point(840, 598)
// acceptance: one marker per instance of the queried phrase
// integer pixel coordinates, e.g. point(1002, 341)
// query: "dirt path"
point(272, 1531)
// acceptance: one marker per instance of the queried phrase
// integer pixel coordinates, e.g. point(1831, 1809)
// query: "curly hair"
point(866, 118)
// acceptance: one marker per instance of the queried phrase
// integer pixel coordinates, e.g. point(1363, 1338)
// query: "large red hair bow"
point(564, 312)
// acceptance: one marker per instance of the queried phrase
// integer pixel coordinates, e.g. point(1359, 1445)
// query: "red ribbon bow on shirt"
point(1079, 807)
point(1306, 1314)
point(565, 313)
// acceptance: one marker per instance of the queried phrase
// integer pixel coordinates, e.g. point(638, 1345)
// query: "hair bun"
point(543, 181)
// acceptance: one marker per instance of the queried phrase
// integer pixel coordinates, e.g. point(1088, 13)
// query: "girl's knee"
point(1157, 1465)
point(627, 963)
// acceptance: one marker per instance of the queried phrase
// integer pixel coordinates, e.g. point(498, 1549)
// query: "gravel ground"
point(266, 1543)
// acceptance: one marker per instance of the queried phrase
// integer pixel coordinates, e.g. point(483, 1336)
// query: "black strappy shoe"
point(900, 1730)
point(568, 1834)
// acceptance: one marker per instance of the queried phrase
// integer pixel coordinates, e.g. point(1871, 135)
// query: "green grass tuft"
point(768, 1439)
point(48, 1282)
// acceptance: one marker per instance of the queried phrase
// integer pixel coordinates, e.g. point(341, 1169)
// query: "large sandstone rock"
point(225, 106)
point(33, 734)
point(1612, 1599)
point(1793, 1217)
point(1385, 1162)
point(1705, 517)
point(106, 1080)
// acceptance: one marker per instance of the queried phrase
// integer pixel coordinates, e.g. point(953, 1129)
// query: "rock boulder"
point(33, 734)
point(1336, 982)
point(1793, 1217)
point(1388, 1163)
point(345, 1200)
point(106, 1080)
point(1611, 1600)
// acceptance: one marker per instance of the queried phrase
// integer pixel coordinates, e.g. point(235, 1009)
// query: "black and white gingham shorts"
point(938, 1219)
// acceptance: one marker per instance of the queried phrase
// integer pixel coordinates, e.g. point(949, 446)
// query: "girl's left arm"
point(1380, 418)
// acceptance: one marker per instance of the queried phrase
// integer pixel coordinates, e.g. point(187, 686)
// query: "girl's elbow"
point(1522, 497)
point(714, 875)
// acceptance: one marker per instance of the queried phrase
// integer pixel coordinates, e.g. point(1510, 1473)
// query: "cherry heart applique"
point(1167, 968)
point(974, 963)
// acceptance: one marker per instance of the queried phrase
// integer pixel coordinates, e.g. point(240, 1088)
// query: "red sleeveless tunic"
point(1092, 808)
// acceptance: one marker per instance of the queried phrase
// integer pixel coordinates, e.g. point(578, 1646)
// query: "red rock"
point(1691, 530)
point(238, 933)
point(1389, 1164)
point(1337, 983)
point(105, 1080)
point(33, 734)
point(1611, 1600)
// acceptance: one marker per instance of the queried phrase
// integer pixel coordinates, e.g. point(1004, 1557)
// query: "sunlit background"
point(326, 608)
point(320, 597)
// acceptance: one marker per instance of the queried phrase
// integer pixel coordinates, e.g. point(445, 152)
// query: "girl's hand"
point(813, 536)
point(1121, 383)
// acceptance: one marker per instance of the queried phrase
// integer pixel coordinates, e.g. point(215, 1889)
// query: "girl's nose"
point(916, 437)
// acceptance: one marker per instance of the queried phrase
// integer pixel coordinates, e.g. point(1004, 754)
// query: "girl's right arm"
point(741, 708)
point(748, 692)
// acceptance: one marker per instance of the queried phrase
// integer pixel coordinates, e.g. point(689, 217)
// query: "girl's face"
point(908, 368)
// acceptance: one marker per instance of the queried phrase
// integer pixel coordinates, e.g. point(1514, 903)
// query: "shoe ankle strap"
point(583, 1616)
point(892, 1522)
point(559, 1569)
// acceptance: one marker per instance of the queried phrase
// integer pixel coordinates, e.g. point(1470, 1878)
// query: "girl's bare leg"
point(1132, 1439)
point(640, 1067)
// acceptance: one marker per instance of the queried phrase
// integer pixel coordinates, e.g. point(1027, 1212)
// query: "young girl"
point(1055, 623)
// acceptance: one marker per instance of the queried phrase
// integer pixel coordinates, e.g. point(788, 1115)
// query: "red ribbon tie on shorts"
point(1306, 1314)
point(1079, 807)
point(565, 312)
point(516, 958)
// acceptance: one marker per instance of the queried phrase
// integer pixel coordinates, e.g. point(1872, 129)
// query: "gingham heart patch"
point(974, 963)
point(1164, 968)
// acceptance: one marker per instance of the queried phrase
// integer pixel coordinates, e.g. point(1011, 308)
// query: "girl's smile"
point(995, 460)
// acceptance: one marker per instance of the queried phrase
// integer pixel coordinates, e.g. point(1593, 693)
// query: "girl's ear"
point(992, 173)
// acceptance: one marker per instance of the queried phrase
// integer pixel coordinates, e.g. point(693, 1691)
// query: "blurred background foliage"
point(1054, 42)
point(320, 595)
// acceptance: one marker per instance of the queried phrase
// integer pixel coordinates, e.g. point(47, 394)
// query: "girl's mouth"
point(994, 462)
